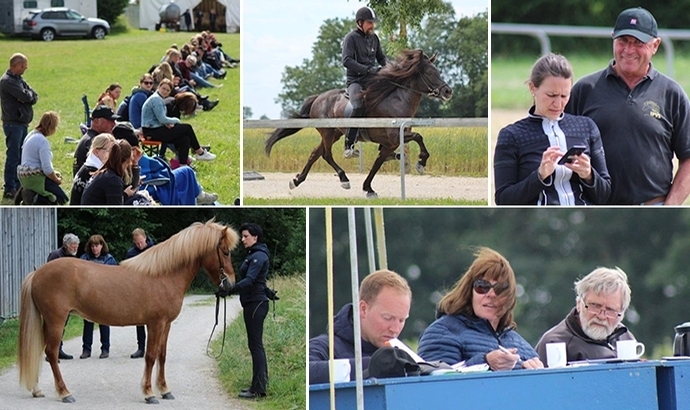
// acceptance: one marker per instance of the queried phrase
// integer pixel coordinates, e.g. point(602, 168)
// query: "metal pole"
point(402, 159)
point(329, 285)
point(381, 238)
point(355, 307)
point(370, 239)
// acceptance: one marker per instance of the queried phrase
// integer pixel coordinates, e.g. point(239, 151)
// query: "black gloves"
point(373, 70)
point(226, 289)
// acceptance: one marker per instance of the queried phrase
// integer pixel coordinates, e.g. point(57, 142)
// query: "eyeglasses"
point(483, 287)
point(595, 309)
point(147, 82)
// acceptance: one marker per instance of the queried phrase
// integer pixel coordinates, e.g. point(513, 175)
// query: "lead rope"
point(225, 325)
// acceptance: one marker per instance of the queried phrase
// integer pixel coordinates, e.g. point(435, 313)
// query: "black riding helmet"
point(366, 14)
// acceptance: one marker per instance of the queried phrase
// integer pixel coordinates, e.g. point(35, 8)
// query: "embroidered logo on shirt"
point(651, 109)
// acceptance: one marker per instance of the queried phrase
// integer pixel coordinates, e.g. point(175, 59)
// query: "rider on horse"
point(361, 52)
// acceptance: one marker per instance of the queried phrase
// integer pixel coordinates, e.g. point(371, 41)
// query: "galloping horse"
point(395, 91)
point(145, 290)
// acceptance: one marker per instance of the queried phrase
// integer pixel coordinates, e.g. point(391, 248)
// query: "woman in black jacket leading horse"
point(252, 291)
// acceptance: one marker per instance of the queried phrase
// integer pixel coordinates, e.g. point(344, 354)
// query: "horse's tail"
point(31, 342)
point(281, 133)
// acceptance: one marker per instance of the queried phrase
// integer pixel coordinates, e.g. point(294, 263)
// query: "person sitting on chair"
point(102, 121)
point(36, 172)
point(361, 51)
point(136, 101)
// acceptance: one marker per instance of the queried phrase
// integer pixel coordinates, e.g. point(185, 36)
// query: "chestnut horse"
point(145, 290)
point(394, 92)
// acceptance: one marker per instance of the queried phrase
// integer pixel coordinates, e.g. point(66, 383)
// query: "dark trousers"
point(87, 336)
point(52, 187)
point(14, 139)
point(141, 337)
point(182, 136)
point(254, 315)
point(354, 91)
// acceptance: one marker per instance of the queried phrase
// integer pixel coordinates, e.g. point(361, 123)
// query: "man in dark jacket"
point(69, 248)
point(141, 243)
point(593, 326)
point(102, 121)
point(384, 305)
point(16, 99)
point(361, 52)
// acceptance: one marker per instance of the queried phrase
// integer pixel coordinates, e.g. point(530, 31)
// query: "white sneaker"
point(351, 153)
point(205, 198)
point(206, 156)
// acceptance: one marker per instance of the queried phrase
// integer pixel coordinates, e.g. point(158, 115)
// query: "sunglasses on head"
point(483, 287)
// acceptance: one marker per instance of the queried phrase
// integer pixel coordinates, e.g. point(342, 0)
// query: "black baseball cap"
point(103, 111)
point(636, 22)
point(125, 131)
point(391, 362)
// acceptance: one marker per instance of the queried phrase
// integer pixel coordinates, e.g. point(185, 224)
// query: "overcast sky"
point(279, 33)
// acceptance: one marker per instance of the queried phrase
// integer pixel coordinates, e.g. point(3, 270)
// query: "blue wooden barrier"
point(650, 385)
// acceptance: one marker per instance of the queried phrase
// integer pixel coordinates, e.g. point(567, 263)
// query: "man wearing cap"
point(361, 52)
point(16, 101)
point(642, 115)
point(102, 121)
point(384, 305)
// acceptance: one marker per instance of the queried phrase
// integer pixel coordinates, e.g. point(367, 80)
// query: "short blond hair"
point(375, 282)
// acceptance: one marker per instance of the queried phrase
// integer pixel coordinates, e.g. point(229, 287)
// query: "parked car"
point(63, 22)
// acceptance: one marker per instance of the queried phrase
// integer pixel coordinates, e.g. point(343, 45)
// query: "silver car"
point(50, 23)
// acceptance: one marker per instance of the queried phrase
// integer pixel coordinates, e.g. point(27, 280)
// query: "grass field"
point(63, 70)
point(454, 152)
point(509, 75)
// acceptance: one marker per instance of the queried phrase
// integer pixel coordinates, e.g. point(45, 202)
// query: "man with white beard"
point(593, 326)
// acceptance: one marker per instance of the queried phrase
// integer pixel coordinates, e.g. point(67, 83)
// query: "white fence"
point(29, 235)
point(542, 33)
point(400, 123)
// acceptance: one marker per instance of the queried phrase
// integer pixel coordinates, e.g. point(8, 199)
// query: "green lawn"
point(63, 70)
point(509, 75)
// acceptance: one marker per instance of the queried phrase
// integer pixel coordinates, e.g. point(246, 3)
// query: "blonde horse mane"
point(183, 248)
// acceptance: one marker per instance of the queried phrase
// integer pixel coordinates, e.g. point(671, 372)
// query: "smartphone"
point(572, 152)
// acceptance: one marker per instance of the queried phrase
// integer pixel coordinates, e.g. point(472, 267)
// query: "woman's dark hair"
point(550, 65)
point(95, 240)
point(254, 230)
point(186, 102)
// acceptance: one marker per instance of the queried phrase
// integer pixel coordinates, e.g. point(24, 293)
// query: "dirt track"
point(320, 185)
point(114, 383)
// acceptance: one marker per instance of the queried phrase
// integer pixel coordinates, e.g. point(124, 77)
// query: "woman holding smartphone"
point(549, 157)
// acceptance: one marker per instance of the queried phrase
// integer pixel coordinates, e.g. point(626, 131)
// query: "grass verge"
point(285, 344)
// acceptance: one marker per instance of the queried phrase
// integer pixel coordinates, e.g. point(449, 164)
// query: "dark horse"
point(395, 92)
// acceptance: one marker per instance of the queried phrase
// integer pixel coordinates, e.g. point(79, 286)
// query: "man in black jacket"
point(593, 326)
point(16, 99)
point(69, 248)
point(140, 243)
point(361, 52)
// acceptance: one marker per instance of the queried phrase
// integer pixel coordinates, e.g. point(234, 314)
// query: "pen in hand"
point(504, 350)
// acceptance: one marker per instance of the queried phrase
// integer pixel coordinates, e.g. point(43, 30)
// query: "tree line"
point(460, 44)
point(284, 230)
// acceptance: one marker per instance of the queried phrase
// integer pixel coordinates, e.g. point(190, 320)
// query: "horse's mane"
point(407, 67)
point(181, 249)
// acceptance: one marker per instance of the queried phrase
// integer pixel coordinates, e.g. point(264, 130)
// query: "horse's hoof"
point(151, 400)
point(68, 399)
point(372, 195)
point(168, 396)
point(37, 393)
point(345, 184)
point(292, 184)
point(420, 168)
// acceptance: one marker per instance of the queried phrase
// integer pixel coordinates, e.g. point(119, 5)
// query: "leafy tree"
point(247, 112)
point(110, 10)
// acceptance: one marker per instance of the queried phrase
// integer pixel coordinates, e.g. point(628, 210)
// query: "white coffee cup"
point(629, 349)
point(556, 355)
point(341, 370)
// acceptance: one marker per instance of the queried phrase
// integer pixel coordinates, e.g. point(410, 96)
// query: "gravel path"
point(319, 185)
point(115, 383)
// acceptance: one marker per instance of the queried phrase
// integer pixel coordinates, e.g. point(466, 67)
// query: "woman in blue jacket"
point(475, 322)
point(96, 250)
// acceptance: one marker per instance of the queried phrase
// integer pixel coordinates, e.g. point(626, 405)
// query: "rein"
point(431, 92)
point(223, 277)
